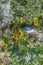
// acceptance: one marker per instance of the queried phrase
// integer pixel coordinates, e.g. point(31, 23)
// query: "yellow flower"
point(20, 33)
point(32, 39)
point(2, 63)
point(35, 21)
point(4, 44)
point(14, 36)
point(21, 20)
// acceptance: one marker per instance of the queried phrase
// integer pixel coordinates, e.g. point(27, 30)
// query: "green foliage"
point(23, 51)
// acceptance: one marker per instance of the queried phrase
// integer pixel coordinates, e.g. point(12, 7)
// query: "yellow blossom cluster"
point(18, 35)
point(35, 19)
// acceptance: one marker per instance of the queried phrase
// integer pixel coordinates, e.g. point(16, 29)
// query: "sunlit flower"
point(2, 63)
point(4, 45)
point(21, 20)
point(14, 37)
point(35, 21)
point(20, 33)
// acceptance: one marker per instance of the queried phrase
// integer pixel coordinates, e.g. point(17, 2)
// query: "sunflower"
point(21, 20)
point(14, 36)
point(4, 45)
point(2, 64)
point(20, 33)
point(35, 21)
